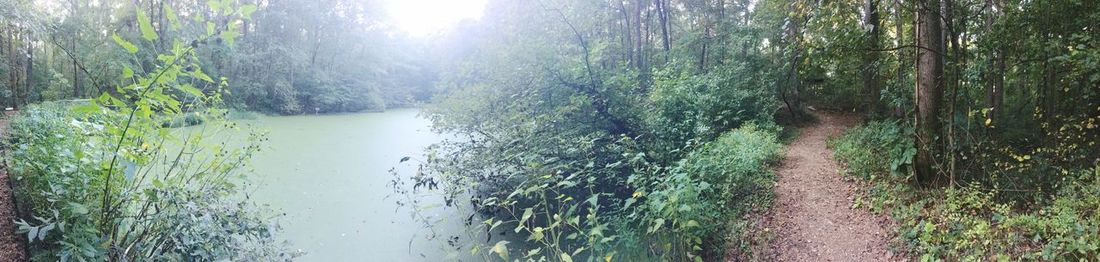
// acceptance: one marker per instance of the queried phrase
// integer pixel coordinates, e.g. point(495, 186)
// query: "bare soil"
point(11, 245)
point(813, 218)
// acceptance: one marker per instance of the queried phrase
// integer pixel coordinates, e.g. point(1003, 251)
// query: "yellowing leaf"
point(501, 248)
point(988, 121)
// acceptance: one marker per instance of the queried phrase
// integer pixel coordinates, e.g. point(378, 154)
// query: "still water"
point(329, 174)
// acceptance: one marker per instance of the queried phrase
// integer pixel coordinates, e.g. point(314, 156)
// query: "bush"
point(974, 221)
point(699, 201)
point(160, 207)
point(184, 120)
point(876, 148)
point(701, 107)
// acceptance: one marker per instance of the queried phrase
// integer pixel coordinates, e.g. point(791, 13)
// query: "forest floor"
point(11, 246)
point(813, 218)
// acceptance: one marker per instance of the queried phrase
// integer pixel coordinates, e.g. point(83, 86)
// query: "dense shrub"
point(867, 148)
point(316, 92)
point(560, 207)
point(976, 221)
point(701, 107)
point(578, 156)
point(161, 207)
point(694, 203)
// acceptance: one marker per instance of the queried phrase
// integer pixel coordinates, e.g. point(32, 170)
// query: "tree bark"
point(994, 93)
point(871, 82)
point(627, 41)
point(639, 39)
point(929, 90)
point(662, 14)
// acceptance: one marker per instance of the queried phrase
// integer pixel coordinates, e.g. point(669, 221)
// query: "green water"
point(329, 174)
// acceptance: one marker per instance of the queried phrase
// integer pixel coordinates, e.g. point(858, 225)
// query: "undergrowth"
point(977, 220)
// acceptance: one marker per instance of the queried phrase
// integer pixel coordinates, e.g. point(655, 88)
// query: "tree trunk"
point(662, 14)
point(28, 76)
point(78, 89)
point(627, 41)
point(871, 83)
point(929, 93)
point(639, 39)
point(899, 28)
point(994, 93)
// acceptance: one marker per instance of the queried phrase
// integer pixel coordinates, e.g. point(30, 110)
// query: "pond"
point(329, 174)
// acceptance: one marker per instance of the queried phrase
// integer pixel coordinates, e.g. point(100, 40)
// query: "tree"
point(929, 93)
point(871, 84)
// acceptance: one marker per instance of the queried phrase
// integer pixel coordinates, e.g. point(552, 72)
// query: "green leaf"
point(77, 208)
point(130, 47)
point(210, 28)
point(657, 225)
point(32, 234)
point(536, 233)
point(214, 5)
point(247, 10)
point(173, 19)
point(202, 76)
point(147, 31)
point(565, 257)
point(91, 107)
point(229, 36)
point(42, 232)
point(127, 73)
point(527, 213)
point(151, 194)
point(187, 88)
point(533, 252)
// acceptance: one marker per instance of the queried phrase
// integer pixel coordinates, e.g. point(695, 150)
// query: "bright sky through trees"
point(425, 17)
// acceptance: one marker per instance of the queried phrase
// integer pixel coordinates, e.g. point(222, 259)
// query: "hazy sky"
point(425, 17)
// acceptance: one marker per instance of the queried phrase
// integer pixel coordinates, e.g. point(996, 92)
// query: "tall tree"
point(994, 77)
point(929, 91)
point(871, 82)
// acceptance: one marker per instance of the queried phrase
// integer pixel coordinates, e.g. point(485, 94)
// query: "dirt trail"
point(813, 219)
point(11, 246)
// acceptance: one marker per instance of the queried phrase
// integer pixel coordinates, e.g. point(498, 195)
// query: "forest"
point(588, 130)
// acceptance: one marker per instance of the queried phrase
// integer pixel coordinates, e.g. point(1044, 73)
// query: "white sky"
point(426, 17)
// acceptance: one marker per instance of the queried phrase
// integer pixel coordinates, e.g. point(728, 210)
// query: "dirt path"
point(11, 246)
point(813, 219)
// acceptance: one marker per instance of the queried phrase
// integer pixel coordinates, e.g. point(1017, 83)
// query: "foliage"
point(866, 148)
point(701, 107)
point(108, 180)
point(287, 57)
point(567, 150)
point(980, 220)
point(691, 205)
point(307, 56)
point(57, 159)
